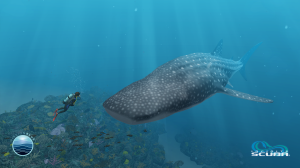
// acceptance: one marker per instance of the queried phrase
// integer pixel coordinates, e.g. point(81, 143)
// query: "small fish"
point(119, 142)
point(129, 135)
point(107, 138)
point(79, 136)
point(106, 145)
point(3, 152)
point(75, 145)
point(145, 130)
point(49, 146)
point(93, 142)
point(101, 137)
point(7, 138)
point(99, 134)
point(94, 138)
point(79, 148)
point(76, 141)
point(102, 132)
point(107, 134)
point(60, 150)
point(33, 136)
point(80, 144)
point(111, 137)
point(76, 132)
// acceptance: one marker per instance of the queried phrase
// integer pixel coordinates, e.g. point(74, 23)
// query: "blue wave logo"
point(268, 148)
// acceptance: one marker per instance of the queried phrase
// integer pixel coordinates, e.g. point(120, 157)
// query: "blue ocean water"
point(23, 149)
point(23, 145)
point(58, 47)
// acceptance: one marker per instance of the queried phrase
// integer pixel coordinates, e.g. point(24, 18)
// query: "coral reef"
point(54, 161)
point(95, 151)
point(84, 136)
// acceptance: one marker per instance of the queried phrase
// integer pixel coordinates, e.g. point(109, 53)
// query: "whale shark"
point(177, 85)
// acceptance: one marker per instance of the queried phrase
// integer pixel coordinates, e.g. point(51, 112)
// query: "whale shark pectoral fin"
point(246, 96)
point(218, 50)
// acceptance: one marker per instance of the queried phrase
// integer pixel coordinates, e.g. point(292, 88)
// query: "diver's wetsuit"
point(67, 105)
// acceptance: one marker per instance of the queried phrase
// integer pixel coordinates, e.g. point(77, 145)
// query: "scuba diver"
point(69, 101)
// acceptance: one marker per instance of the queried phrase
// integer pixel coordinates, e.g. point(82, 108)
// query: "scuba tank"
point(68, 98)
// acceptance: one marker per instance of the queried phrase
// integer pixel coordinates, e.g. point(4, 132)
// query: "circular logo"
point(22, 145)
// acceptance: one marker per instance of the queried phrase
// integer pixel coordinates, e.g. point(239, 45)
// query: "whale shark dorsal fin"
point(218, 50)
point(246, 96)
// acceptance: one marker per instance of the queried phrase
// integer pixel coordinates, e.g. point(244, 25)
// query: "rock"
point(179, 163)
point(155, 165)
point(31, 128)
point(58, 130)
point(73, 119)
point(179, 138)
point(118, 148)
point(96, 122)
point(70, 128)
point(90, 144)
point(141, 157)
point(128, 149)
point(3, 148)
point(49, 98)
point(128, 156)
point(157, 160)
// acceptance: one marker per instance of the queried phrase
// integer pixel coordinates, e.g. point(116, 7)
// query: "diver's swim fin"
point(55, 114)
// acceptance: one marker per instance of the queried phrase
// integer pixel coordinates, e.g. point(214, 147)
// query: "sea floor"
point(172, 149)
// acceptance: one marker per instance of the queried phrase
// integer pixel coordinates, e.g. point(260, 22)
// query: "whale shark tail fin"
point(245, 58)
point(218, 50)
point(246, 96)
